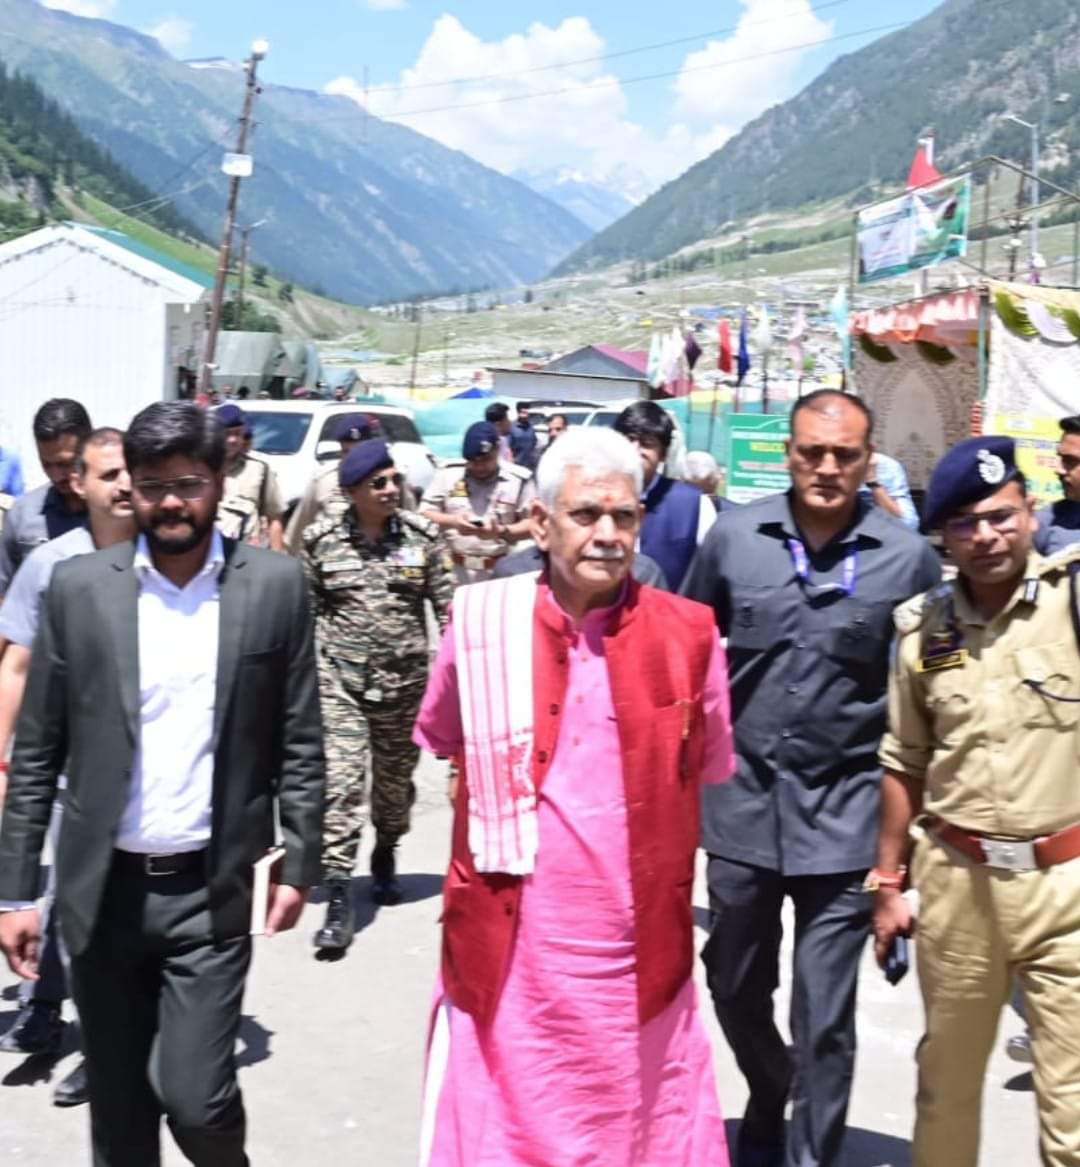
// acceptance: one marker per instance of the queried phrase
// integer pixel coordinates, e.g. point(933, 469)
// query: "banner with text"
point(756, 460)
point(917, 229)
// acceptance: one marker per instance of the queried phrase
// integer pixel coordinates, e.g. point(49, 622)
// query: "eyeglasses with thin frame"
point(188, 487)
point(966, 526)
point(380, 482)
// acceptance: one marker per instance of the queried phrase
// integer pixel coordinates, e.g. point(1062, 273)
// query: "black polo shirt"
point(808, 665)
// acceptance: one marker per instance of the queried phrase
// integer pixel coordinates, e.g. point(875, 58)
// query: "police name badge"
point(942, 651)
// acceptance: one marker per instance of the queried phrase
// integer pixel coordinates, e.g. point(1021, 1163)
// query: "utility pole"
point(258, 50)
point(244, 233)
point(415, 351)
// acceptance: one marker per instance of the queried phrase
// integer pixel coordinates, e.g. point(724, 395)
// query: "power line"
point(683, 40)
point(603, 83)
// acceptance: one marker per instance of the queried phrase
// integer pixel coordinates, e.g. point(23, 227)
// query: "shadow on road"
point(255, 1039)
point(862, 1148)
point(35, 1068)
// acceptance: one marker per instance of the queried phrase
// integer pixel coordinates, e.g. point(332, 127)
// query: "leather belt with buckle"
point(157, 865)
point(1010, 854)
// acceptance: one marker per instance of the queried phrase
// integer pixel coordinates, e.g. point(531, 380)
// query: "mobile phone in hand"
point(896, 960)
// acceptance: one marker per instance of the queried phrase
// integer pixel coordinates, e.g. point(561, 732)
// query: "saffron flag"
point(743, 363)
point(723, 360)
point(922, 169)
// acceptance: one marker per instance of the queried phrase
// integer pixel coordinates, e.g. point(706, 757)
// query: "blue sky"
point(738, 58)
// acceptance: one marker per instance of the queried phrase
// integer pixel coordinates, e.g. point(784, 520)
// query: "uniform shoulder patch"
point(418, 522)
point(319, 530)
point(909, 615)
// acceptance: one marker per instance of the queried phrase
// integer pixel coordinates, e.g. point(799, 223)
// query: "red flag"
point(723, 361)
point(922, 169)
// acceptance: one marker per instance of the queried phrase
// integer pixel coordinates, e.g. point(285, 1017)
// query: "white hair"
point(701, 464)
point(594, 450)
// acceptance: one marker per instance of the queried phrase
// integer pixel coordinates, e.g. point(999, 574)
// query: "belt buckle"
point(1009, 854)
point(149, 865)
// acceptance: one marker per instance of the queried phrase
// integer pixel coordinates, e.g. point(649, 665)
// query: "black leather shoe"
point(37, 1030)
point(73, 1090)
point(385, 888)
point(338, 928)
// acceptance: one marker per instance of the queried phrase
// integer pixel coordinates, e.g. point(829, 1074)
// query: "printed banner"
point(756, 458)
point(1036, 450)
point(917, 229)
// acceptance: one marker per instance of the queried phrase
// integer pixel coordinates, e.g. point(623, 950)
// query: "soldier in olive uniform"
point(482, 507)
point(984, 718)
point(370, 571)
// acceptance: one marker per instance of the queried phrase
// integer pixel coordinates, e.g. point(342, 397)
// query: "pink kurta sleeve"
point(438, 724)
point(719, 757)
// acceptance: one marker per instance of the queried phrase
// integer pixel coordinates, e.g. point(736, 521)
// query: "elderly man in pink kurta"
point(585, 710)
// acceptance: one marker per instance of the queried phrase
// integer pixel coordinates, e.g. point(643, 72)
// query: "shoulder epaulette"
point(1060, 560)
point(909, 616)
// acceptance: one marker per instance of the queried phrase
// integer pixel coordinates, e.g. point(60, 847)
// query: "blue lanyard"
point(801, 562)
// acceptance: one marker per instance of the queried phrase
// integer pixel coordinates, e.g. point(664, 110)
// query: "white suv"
point(296, 437)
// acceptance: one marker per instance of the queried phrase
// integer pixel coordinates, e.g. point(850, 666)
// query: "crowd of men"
point(838, 711)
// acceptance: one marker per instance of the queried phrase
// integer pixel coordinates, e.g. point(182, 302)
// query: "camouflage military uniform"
point(373, 665)
point(323, 498)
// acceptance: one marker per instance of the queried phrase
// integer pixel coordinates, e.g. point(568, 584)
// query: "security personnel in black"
point(803, 585)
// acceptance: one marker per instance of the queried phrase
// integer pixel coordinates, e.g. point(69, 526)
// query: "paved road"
point(332, 1053)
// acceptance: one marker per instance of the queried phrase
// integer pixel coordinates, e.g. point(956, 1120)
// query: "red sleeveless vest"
point(657, 649)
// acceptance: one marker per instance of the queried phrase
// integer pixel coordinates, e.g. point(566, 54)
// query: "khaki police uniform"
point(504, 498)
point(986, 715)
point(252, 498)
point(323, 498)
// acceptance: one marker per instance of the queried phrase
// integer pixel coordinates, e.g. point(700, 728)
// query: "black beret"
point(972, 470)
point(364, 459)
point(231, 415)
point(480, 438)
point(356, 427)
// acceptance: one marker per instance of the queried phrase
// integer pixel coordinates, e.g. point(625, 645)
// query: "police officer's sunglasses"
point(380, 482)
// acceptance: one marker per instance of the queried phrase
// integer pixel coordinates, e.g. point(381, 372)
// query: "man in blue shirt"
point(523, 440)
point(1059, 523)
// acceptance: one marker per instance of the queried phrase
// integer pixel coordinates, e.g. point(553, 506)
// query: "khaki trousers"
point(979, 927)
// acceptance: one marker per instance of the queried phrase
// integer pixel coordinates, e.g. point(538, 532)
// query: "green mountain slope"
point(44, 156)
point(956, 70)
point(365, 209)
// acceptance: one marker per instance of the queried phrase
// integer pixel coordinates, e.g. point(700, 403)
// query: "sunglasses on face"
point(381, 481)
point(965, 526)
point(190, 487)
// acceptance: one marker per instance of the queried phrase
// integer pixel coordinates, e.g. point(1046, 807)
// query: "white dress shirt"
point(169, 801)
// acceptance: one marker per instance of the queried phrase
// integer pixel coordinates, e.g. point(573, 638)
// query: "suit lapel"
point(232, 611)
point(121, 608)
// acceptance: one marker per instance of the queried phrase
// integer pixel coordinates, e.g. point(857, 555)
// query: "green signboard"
point(756, 460)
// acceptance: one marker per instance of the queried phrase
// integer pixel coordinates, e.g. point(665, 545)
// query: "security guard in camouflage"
point(370, 571)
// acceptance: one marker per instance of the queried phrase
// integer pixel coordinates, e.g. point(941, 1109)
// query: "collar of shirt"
point(593, 618)
point(652, 485)
point(780, 521)
point(392, 530)
point(145, 569)
point(1025, 592)
point(54, 501)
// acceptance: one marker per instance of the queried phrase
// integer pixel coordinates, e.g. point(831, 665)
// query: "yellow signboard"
point(1036, 450)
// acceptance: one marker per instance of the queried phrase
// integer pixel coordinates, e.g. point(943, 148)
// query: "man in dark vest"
point(677, 516)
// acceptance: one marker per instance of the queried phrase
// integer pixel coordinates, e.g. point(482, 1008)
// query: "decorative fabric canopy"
point(949, 318)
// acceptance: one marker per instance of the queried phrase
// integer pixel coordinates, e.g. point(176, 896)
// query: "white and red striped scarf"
point(493, 642)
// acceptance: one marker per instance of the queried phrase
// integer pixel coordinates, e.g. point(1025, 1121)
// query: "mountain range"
point(363, 209)
point(958, 70)
point(596, 204)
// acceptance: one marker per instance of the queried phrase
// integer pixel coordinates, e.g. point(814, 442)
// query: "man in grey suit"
point(175, 677)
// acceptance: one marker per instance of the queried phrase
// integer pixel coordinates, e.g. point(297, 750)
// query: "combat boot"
point(385, 888)
point(338, 928)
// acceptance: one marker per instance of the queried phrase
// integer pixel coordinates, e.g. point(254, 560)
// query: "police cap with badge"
point(231, 415)
point(972, 470)
point(356, 427)
point(480, 439)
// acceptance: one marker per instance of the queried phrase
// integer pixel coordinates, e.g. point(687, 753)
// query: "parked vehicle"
point(296, 437)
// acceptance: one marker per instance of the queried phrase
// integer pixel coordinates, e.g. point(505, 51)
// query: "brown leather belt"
point(1010, 854)
point(475, 562)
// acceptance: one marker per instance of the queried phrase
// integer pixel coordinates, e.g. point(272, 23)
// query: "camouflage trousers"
point(361, 736)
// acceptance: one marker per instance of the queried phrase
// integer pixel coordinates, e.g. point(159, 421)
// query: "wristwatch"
point(878, 880)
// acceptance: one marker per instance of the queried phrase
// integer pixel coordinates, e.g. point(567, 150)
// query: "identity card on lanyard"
point(801, 562)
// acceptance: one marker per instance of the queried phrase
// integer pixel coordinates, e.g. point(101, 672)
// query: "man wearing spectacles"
point(984, 718)
point(174, 679)
point(1059, 523)
point(371, 570)
point(803, 585)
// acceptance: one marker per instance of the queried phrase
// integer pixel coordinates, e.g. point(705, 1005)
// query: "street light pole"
point(258, 50)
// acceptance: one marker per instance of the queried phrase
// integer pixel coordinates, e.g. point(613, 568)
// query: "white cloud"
point(91, 8)
point(730, 81)
point(585, 124)
point(173, 34)
point(385, 5)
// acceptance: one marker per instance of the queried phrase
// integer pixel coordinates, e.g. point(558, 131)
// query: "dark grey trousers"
point(832, 917)
point(159, 1004)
